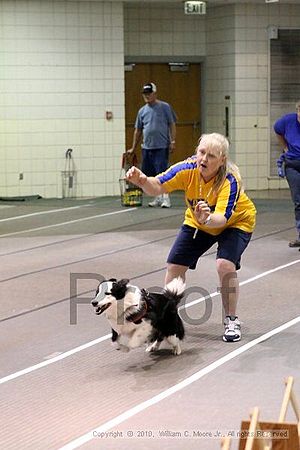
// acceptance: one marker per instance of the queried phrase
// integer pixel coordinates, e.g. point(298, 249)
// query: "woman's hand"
point(136, 176)
point(202, 212)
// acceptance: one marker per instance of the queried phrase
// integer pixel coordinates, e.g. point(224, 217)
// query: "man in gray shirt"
point(156, 123)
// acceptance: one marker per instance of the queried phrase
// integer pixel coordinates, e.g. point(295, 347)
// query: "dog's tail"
point(175, 289)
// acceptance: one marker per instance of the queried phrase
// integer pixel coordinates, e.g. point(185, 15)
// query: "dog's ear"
point(123, 282)
point(119, 289)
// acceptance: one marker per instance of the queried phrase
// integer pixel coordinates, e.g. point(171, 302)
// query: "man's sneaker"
point(295, 243)
point(232, 329)
point(166, 203)
point(156, 202)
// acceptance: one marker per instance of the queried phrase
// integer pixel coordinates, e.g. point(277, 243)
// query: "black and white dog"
point(138, 316)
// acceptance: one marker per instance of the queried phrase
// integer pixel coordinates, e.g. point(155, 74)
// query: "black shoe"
point(295, 243)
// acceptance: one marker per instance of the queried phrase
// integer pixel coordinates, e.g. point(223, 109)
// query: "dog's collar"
point(137, 316)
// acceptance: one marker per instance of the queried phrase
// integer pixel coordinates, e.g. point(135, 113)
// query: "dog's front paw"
point(115, 345)
point(152, 347)
point(124, 349)
point(177, 350)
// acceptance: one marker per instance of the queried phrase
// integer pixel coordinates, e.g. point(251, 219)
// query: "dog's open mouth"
point(100, 309)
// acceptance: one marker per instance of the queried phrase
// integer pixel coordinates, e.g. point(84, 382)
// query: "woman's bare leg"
point(174, 271)
point(229, 286)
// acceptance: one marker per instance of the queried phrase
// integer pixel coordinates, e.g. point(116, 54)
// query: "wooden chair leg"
point(289, 396)
point(286, 399)
point(226, 443)
point(253, 428)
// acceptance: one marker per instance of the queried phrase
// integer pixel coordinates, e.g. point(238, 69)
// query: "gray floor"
point(63, 383)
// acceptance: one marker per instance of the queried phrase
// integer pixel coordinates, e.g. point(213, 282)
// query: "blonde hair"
point(216, 141)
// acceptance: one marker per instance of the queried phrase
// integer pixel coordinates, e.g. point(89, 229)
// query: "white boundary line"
point(68, 222)
point(53, 360)
point(242, 283)
point(176, 387)
point(43, 212)
point(103, 338)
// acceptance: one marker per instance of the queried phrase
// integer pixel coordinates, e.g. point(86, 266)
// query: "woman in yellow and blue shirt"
point(218, 210)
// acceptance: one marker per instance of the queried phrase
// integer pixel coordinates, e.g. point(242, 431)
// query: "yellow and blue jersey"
point(230, 201)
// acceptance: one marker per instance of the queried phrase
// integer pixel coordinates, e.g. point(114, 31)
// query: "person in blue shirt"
point(287, 129)
point(156, 123)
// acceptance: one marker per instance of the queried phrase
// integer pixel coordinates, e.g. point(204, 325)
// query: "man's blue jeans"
point(154, 161)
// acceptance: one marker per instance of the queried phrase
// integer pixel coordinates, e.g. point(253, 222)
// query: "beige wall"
point(235, 43)
point(251, 88)
point(162, 30)
point(61, 69)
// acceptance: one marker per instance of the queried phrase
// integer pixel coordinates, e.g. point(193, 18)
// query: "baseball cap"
point(149, 88)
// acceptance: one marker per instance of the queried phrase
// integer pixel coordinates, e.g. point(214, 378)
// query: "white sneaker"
point(166, 203)
point(232, 329)
point(156, 202)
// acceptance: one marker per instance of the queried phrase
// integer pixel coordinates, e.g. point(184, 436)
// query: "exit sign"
point(194, 7)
